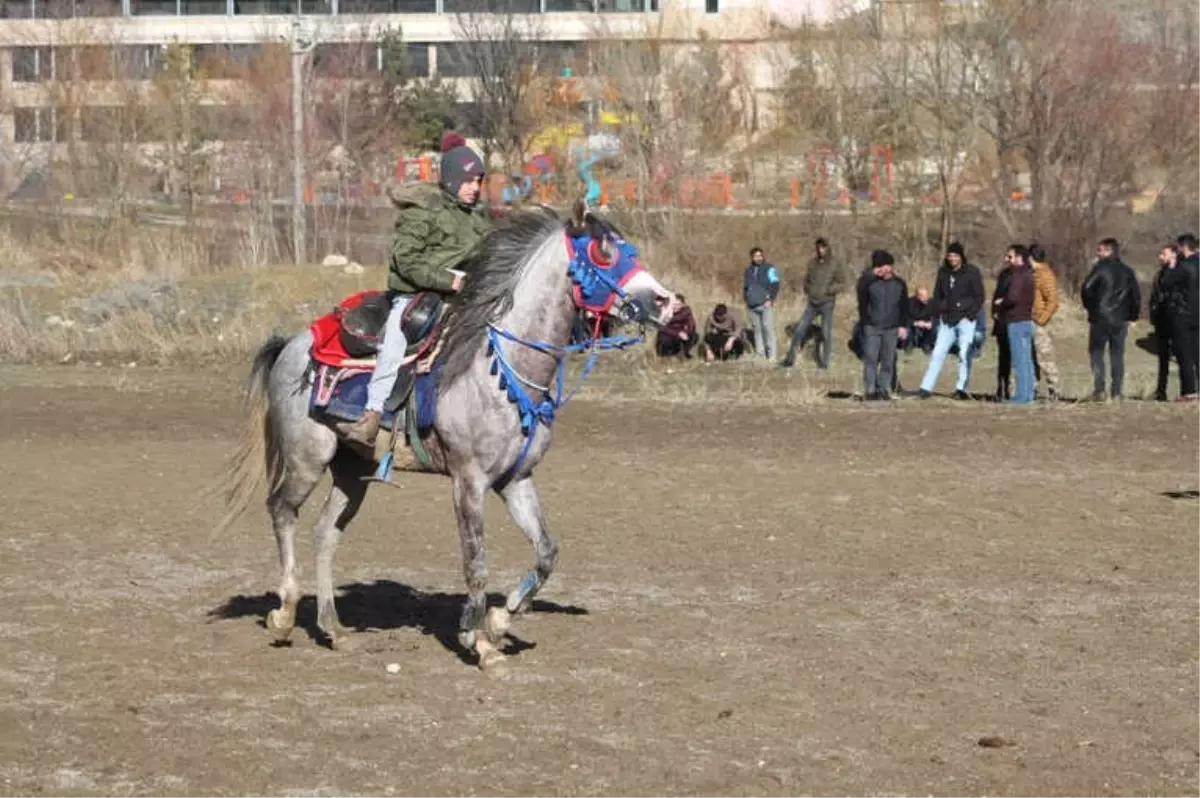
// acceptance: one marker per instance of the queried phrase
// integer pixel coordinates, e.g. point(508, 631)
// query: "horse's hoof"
point(495, 626)
point(344, 641)
point(280, 624)
point(343, 644)
point(489, 656)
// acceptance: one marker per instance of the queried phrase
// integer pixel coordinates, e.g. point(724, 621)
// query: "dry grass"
point(155, 309)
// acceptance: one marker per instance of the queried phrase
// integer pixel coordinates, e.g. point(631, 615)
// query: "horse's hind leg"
point(525, 507)
point(284, 506)
point(345, 498)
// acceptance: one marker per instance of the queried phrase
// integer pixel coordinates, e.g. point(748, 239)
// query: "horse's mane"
point(492, 278)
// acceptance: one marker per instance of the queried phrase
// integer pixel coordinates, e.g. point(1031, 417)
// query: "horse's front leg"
point(469, 491)
point(525, 507)
point(526, 510)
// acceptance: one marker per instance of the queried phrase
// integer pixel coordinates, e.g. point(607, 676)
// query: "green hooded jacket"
point(433, 233)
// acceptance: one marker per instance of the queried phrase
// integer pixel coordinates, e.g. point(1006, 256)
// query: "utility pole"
point(300, 45)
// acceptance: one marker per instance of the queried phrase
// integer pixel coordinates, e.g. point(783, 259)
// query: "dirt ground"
point(850, 610)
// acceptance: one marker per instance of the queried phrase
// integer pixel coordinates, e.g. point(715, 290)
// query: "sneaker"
point(961, 395)
point(924, 394)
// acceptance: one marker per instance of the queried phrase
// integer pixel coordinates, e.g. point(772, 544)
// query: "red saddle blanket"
point(327, 345)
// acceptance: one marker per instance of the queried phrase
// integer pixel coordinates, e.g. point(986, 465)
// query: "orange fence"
point(818, 187)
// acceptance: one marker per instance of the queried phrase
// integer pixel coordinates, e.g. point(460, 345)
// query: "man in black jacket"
point(957, 300)
point(883, 313)
point(1189, 262)
point(1112, 298)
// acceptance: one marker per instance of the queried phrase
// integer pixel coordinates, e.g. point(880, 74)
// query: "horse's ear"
point(578, 213)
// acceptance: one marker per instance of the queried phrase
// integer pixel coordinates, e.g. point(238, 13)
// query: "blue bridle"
point(597, 287)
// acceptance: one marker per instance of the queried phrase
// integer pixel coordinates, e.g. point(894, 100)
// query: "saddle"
point(346, 342)
point(361, 323)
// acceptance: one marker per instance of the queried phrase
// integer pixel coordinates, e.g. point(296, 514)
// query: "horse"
point(505, 336)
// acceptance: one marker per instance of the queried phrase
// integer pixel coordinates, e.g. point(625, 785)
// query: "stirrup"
point(383, 471)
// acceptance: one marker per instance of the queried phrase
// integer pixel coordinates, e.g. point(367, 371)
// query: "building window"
point(251, 7)
point(39, 124)
point(345, 60)
point(712, 6)
point(32, 64)
point(387, 6)
point(154, 7)
point(620, 6)
point(199, 8)
point(16, 9)
point(571, 5)
point(98, 8)
point(59, 9)
point(224, 61)
point(495, 6)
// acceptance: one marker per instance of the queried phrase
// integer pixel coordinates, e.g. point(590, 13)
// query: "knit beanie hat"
point(956, 248)
point(881, 257)
point(450, 140)
point(459, 166)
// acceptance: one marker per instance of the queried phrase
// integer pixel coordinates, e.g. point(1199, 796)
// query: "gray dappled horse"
point(503, 354)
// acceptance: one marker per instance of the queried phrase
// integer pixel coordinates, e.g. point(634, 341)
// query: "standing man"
point(1045, 305)
point(1189, 261)
point(883, 313)
point(1112, 298)
point(824, 279)
point(957, 300)
point(1015, 306)
point(760, 286)
point(1164, 306)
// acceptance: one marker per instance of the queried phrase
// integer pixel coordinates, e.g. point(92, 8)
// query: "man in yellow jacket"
point(1045, 305)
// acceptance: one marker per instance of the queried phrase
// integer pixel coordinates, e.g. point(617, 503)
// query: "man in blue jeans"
point(1016, 308)
point(760, 287)
point(957, 299)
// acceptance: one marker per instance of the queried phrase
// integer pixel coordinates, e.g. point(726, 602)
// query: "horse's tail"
point(257, 457)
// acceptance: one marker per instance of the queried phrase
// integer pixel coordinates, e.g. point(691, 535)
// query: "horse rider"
point(438, 230)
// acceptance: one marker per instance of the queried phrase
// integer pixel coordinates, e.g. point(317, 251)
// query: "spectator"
point(1045, 305)
point(958, 300)
point(883, 313)
point(920, 314)
point(760, 287)
point(824, 279)
point(1015, 307)
point(1000, 332)
point(722, 339)
point(1000, 311)
point(1112, 298)
point(678, 336)
point(1164, 301)
point(1189, 261)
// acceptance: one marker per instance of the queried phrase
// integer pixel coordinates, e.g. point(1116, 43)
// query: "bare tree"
point(1060, 83)
point(498, 52)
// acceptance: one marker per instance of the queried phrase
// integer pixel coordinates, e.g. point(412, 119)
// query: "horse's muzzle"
point(634, 310)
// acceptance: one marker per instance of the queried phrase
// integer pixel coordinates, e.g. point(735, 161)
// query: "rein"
point(543, 409)
point(586, 277)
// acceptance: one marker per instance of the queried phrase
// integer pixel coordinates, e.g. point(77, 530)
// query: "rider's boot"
point(362, 431)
